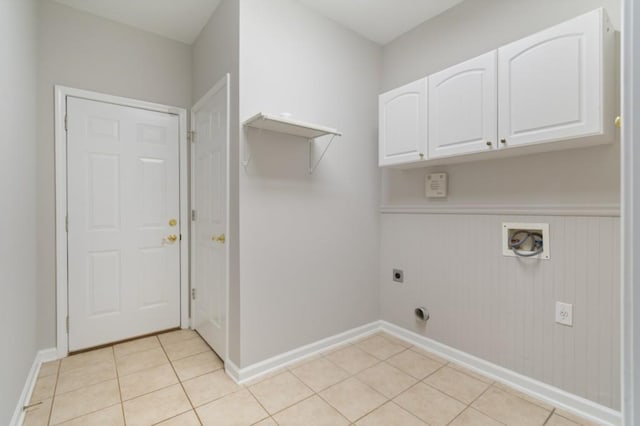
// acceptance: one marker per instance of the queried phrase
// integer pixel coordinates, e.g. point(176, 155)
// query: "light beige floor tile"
point(394, 339)
point(147, 381)
point(510, 409)
point(310, 412)
point(471, 417)
point(70, 380)
point(43, 388)
point(456, 384)
point(380, 347)
point(266, 422)
point(86, 359)
point(111, 416)
point(185, 348)
point(524, 396)
point(303, 361)
point(176, 336)
point(353, 398)
point(138, 345)
point(319, 374)
point(197, 365)
point(352, 359)
point(470, 373)
point(211, 386)
point(336, 348)
point(156, 406)
point(264, 377)
point(390, 415)
point(387, 379)
point(141, 361)
point(428, 354)
point(574, 418)
point(429, 404)
point(83, 401)
point(38, 415)
point(185, 419)
point(557, 420)
point(49, 368)
point(280, 392)
point(237, 409)
point(415, 364)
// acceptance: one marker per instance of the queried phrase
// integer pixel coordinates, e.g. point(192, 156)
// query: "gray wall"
point(18, 309)
point(498, 308)
point(83, 51)
point(215, 53)
point(309, 244)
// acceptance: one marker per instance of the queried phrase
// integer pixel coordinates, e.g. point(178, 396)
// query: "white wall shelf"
point(280, 124)
point(286, 125)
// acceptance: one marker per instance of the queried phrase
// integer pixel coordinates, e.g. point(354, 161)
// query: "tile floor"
point(175, 379)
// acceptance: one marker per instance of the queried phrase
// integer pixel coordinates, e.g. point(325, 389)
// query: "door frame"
point(60, 147)
point(226, 82)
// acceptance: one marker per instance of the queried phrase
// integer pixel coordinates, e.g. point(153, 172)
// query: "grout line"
point(55, 387)
point(124, 419)
point(549, 416)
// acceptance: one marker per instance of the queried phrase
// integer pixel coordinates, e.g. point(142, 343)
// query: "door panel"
point(551, 83)
point(123, 188)
point(463, 108)
point(209, 231)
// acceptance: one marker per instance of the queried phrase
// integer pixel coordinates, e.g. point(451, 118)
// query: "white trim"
point(224, 81)
point(630, 297)
point(253, 371)
point(41, 357)
point(60, 147)
point(542, 391)
point(605, 210)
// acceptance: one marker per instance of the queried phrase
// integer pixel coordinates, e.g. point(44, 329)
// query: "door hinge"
point(67, 324)
point(66, 122)
point(193, 215)
point(193, 293)
point(191, 136)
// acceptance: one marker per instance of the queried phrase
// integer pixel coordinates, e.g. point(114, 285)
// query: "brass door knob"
point(219, 239)
point(171, 238)
point(618, 122)
point(489, 143)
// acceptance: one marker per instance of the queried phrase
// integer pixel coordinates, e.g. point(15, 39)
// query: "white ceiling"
point(180, 20)
point(378, 20)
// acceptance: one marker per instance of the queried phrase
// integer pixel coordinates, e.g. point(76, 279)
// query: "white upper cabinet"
point(463, 112)
point(403, 124)
point(556, 85)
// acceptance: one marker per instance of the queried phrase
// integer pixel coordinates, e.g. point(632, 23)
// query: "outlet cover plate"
point(564, 314)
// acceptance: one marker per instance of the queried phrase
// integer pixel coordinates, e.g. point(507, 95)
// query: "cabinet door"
point(551, 83)
point(463, 117)
point(403, 124)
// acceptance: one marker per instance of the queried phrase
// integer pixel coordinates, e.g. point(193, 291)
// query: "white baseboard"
point(542, 391)
point(242, 375)
point(41, 357)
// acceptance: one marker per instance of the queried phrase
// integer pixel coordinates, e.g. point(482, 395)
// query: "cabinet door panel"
point(403, 124)
point(463, 108)
point(550, 85)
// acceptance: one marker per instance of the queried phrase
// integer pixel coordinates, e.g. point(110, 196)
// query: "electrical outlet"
point(564, 313)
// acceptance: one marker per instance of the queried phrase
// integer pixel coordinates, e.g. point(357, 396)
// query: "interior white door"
point(463, 108)
point(209, 226)
point(123, 222)
point(551, 83)
point(403, 124)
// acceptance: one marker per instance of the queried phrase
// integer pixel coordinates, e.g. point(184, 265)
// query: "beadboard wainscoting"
point(501, 309)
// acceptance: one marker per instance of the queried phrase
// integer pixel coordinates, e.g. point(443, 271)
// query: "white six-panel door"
point(463, 110)
point(123, 222)
point(209, 120)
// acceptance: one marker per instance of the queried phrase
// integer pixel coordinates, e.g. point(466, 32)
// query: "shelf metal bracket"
point(312, 166)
